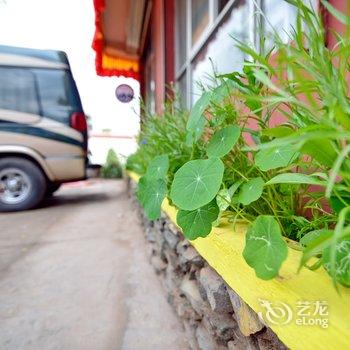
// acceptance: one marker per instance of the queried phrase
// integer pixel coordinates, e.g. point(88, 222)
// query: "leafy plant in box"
point(158, 168)
point(197, 223)
point(151, 193)
point(276, 183)
point(265, 248)
point(223, 141)
point(273, 158)
point(196, 183)
point(251, 191)
point(198, 110)
point(342, 261)
point(152, 187)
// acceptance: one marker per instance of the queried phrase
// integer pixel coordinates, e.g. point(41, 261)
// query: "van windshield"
point(58, 94)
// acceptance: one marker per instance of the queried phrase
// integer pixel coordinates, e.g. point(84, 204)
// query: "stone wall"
point(213, 315)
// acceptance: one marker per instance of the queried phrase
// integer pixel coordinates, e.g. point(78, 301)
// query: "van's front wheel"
point(22, 184)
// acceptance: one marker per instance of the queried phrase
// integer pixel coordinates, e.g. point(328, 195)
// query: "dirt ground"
point(74, 274)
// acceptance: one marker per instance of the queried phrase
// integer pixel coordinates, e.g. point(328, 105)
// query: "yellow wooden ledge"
point(222, 249)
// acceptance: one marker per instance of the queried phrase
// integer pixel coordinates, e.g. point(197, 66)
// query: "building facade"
point(182, 43)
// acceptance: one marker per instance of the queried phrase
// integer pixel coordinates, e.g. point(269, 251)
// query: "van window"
point(58, 94)
point(17, 90)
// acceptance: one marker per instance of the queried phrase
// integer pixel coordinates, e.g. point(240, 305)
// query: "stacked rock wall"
point(213, 315)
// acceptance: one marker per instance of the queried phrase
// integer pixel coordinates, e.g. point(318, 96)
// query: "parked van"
point(43, 129)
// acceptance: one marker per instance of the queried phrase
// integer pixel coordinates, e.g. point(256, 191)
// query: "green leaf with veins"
point(151, 193)
point(223, 141)
point(193, 136)
point(342, 261)
point(273, 158)
point(158, 167)
point(265, 249)
point(196, 183)
point(198, 110)
point(295, 178)
point(197, 223)
point(223, 199)
point(251, 191)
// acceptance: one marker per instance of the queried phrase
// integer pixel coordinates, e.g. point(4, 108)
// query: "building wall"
point(332, 23)
point(161, 48)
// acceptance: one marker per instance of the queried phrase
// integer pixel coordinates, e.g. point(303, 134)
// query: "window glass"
point(17, 90)
point(220, 54)
point(279, 18)
point(200, 18)
point(58, 94)
point(181, 23)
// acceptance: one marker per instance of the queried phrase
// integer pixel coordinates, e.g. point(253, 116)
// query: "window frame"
point(215, 20)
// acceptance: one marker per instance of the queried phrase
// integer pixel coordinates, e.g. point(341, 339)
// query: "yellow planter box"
point(299, 302)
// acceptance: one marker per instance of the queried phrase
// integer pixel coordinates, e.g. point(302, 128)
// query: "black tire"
point(33, 186)
point(51, 188)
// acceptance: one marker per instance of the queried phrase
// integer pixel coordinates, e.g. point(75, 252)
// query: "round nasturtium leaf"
point(197, 223)
point(198, 110)
point(158, 167)
point(223, 140)
point(194, 135)
point(342, 262)
point(151, 193)
point(276, 157)
point(196, 183)
point(265, 250)
point(251, 191)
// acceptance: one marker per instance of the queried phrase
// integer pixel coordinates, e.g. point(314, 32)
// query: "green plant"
point(226, 159)
point(112, 168)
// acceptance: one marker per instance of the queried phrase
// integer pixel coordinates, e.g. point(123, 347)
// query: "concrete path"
point(74, 275)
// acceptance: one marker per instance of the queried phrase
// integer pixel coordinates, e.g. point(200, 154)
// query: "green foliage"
point(223, 199)
point(112, 168)
point(196, 183)
point(158, 167)
point(295, 178)
point(265, 248)
point(342, 261)
point(152, 187)
point(251, 191)
point(273, 158)
point(198, 110)
point(222, 141)
point(164, 134)
point(264, 175)
point(198, 223)
point(151, 193)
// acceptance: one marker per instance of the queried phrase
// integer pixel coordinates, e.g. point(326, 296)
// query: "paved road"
point(74, 275)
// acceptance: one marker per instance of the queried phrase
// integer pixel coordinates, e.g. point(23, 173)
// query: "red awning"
point(117, 40)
